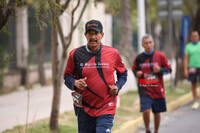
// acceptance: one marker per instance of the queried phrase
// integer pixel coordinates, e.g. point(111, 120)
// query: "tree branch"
point(5, 12)
point(73, 27)
point(65, 6)
point(57, 24)
point(81, 14)
point(58, 1)
point(69, 37)
point(60, 31)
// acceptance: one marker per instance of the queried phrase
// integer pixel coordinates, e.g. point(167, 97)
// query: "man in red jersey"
point(90, 74)
point(149, 68)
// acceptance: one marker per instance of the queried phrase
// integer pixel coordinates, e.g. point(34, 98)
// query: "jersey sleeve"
point(70, 67)
point(119, 65)
point(121, 72)
point(166, 66)
point(135, 67)
point(186, 51)
point(69, 72)
point(121, 80)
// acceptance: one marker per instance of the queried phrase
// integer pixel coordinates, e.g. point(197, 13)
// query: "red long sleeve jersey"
point(151, 84)
point(99, 69)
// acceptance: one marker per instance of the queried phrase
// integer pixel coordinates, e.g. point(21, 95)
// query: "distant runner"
point(149, 67)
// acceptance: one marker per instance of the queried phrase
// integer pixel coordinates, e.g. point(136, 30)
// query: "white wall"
point(92, 12)
point(96, 12)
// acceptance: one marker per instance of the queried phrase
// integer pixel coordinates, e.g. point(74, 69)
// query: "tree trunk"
point(157, 31)
point(41, 70)
point(196, 25)
point(166, 42)
point(127, 32)
point(56, 81)
point(179, 75)
point(41, 36)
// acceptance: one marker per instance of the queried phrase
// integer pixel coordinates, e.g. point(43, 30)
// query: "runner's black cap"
point(93, 25)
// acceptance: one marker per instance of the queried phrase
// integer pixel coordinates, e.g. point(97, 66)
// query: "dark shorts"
point(157, 105)
point(88, 124)
point(194, 75)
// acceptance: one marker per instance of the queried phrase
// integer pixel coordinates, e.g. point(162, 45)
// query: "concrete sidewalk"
point(13, 106)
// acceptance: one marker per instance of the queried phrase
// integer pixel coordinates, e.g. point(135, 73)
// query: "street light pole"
point(141, 23)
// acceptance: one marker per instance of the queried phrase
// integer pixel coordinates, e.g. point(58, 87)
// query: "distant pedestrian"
point(90, 74)
point(192, 64)
point(149, 67)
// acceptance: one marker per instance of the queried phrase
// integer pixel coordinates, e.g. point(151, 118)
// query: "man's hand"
point(81, 83)
point(113, 90)
point(139, 74)
point(156, 68)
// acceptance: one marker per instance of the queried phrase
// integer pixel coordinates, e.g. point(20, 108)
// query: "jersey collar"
point(89, 51)
point(149, 53)
point(195, 43)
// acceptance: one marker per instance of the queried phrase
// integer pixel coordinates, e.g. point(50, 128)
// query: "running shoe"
point(195, 105)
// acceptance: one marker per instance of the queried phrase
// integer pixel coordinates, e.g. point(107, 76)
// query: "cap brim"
point(93, 28)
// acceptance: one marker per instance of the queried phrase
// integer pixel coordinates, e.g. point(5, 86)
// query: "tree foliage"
point(6, 9)
point(192, 9)
point(113, 6)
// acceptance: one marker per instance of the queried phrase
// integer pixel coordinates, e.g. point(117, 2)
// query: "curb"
point(133, 124)
point(130, 125)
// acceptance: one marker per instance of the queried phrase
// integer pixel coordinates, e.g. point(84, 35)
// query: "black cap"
point(93, 25)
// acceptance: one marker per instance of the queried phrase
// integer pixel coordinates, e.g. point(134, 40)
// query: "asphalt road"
point(181, 120)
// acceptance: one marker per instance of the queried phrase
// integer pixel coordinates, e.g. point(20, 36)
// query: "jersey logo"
point(108, 130)
point(95, 65)
point(110, 104)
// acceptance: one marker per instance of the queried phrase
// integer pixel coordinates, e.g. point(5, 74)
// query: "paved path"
point(13, 107)
point(181, 120)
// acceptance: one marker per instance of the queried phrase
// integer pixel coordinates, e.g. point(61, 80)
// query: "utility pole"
point(141, 23)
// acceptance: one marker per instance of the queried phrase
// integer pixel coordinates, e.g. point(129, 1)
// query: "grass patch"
point(128, 110)
point(43, 127)
point(173, 93)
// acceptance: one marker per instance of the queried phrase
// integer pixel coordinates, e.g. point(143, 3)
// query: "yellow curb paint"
point(181, 101)
point(133, 124)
